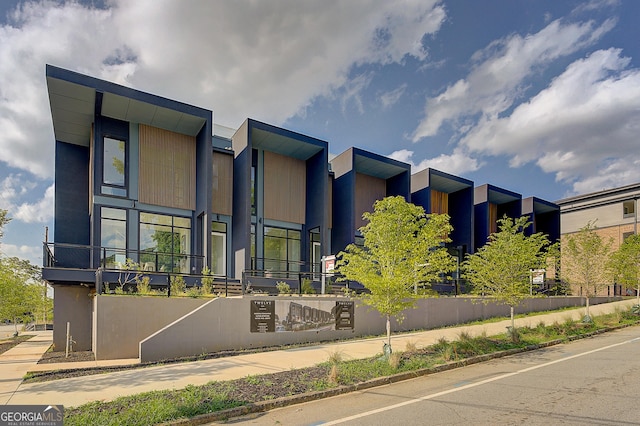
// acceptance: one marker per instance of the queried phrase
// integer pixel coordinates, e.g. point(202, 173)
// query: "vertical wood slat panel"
point(369, 189)
point(439, 202)
point(285, 182)
point(222, 184)
point(493, 218)
point(167, 168)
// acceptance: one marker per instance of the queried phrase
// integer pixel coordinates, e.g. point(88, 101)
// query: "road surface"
point(594, 381)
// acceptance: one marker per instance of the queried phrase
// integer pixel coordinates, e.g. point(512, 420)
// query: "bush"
point(283, 287)
point(307, 287)
point(207, 281)
point(178, 285)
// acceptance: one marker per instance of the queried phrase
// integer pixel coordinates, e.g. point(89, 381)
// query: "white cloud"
point(33, 254)
point(352, 91)
point(390, 98)
point(14, 186)
point(39, 212)
point(458, 163)
point(498, 75)
point(583, 128)
point(266, 60)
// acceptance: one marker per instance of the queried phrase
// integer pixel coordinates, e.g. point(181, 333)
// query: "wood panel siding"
point(369, 189)
point(167, 168)
point(439, 202)
point(222, 200)
point(493, 218)
point(285, 183)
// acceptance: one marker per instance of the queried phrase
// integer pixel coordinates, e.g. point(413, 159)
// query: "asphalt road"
point(595, 381)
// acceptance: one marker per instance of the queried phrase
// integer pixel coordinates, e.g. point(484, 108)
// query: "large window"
point(281, 249)
point(165, 243)
point(219, 248)
point(113, 237)
point(114, 167)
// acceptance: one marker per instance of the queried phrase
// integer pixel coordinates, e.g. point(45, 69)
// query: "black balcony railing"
point(75, 256)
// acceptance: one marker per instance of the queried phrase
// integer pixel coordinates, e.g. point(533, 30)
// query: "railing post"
point(226, 285)
point(168, 285)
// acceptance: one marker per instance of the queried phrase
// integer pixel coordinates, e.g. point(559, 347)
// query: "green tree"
point(21, 291)
point(624, 264)
point(585, 257)
point(402, 246)
point(4, 219)
point(501, 268)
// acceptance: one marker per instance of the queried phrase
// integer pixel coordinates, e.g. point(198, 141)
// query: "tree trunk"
point(388, 330)
point(513, 321)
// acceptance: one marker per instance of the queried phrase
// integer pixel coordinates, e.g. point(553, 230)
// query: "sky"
point(541, 97)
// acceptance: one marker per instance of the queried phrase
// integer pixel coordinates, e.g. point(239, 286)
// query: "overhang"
point(75, 99)
point(284, 142)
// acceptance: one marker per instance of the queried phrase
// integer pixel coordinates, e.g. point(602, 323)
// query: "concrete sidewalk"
point(105, 387)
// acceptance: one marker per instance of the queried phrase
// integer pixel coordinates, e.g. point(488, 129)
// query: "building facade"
point(147, 182)
point(614, 213)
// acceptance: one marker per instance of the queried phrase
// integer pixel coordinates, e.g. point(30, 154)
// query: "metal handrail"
point(92, 257)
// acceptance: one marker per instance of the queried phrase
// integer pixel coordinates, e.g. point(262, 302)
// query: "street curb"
point(258, 407)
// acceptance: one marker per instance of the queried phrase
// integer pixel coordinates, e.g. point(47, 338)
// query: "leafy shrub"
point(283, 287)
point(178, 285)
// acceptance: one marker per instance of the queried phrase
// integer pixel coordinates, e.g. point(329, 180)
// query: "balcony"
point(79, 263)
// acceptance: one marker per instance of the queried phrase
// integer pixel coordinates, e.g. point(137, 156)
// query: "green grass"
point(162, 406)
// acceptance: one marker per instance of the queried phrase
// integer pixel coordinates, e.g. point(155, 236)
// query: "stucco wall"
point(73, 305)
point(121, 322)
point(224, 323)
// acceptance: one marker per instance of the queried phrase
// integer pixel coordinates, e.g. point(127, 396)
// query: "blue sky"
point(539, 97)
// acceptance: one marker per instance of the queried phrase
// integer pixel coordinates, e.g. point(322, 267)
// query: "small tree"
point(402, 246)
point(585, 259)
point(501, 268)
point(20, 290)
point(624, 264)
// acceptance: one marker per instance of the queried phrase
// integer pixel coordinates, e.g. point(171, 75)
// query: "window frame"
point(109, 188)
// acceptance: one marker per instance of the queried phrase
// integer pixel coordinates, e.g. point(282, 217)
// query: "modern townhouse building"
point(544, 217)
point(282, 209)
point(361, 178)
point(440, 192)
point(490, 204)
point(133, 180)
point(144, 179)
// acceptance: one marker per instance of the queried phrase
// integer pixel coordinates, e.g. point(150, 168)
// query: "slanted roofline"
point(75, 99)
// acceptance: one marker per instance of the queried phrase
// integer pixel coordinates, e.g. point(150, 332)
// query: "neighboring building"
point(362, 178)
point(614, 212)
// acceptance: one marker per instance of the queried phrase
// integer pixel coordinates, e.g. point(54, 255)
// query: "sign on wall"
point(263, 318)
point(301, 315)
point(344, 315)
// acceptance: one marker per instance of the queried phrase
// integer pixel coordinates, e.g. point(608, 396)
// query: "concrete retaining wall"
point(73, 305)
point(120, 322)
point(154, 328)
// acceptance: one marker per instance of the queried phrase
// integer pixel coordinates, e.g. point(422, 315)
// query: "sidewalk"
point(105, 387)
